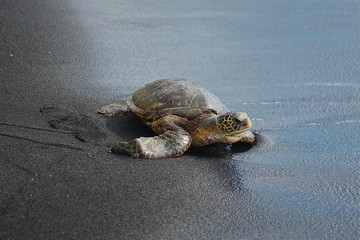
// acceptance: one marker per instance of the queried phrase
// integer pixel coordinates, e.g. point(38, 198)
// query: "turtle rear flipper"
point(115, 109)
point(172, 143)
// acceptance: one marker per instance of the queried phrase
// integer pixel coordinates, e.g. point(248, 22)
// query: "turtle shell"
point(178, 97)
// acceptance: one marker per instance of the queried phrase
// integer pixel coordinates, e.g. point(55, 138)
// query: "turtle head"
point(234, 125)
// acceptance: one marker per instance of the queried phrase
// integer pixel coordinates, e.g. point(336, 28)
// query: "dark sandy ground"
point(292, 65)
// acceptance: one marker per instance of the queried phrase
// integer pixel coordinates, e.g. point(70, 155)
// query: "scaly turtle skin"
point(182, 114)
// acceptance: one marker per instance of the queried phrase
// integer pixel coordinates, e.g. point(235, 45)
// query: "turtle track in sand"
point(83, 127)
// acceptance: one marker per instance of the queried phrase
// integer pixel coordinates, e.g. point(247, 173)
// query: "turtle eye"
point(242, 123)
point(237, 121)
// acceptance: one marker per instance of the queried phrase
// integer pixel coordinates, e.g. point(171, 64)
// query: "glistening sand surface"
point(293, 66)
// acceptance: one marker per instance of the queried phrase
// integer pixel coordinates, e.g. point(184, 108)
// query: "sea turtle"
point(182, 114)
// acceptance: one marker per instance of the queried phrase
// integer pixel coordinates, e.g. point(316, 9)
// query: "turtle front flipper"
point(115, 109)
point(172, 143)
point(249, 137)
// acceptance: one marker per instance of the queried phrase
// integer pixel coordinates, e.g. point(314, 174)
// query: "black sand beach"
point(293, 66)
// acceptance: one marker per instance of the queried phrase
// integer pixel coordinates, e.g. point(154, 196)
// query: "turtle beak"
point(243, 120)
point(247, 123)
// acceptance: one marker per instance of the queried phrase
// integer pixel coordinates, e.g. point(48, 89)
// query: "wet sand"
point(292, 66)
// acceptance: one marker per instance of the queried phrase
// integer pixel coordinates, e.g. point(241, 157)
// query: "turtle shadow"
point(220, 150)
point(224, 150)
